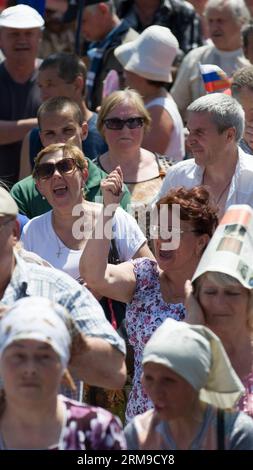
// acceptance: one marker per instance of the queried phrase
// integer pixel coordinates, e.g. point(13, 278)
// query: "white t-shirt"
point(39, 236)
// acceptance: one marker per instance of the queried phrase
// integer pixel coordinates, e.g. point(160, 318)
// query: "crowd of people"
point(126, 220)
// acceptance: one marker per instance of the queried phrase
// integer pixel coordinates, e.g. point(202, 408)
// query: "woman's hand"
point(111, 187)
point(195, 313)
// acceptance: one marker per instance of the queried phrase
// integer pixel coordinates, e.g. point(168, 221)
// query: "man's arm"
point(98, 363)
point(98, 353)
point(14, 131)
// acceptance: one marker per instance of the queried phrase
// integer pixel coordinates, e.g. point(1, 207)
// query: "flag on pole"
point(214, 78)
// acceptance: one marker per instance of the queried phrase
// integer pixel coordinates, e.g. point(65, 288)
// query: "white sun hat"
point(151, 54)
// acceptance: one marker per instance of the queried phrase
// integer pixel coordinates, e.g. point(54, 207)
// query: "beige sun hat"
point(151, 54)
point(21, 17)
point(230, 250)
point(7, 204)
point(195, 353)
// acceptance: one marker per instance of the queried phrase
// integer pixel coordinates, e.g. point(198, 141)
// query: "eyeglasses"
point(64, 166)
point(162, 232)
point(117, 124)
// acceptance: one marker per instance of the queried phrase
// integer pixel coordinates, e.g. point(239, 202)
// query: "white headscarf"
point(196, 354)
point(39, 319)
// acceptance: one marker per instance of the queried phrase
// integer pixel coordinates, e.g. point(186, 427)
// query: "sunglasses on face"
point(64, 166)
point(118, 124)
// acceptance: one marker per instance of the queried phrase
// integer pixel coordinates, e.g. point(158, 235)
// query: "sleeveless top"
point(176, 147)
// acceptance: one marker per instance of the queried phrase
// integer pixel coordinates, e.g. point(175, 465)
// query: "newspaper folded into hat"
point(230, 250)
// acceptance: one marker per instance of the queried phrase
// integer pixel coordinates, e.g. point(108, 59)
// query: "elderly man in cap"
point(20, 32)
point(102, 362)
point(102, 26)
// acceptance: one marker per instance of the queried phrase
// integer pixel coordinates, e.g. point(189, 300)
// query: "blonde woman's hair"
point(120, 97)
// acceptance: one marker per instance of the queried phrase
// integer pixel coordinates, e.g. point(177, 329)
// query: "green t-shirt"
point(31, 204)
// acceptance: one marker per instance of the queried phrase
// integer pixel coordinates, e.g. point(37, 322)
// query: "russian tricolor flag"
point(214, 78)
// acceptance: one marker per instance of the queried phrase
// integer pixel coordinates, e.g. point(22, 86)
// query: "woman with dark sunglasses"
point(152, 289)
point(149, 62)
point(123, 122)
point(59, 236)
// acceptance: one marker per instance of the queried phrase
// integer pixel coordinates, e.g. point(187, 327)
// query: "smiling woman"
point(152, 289)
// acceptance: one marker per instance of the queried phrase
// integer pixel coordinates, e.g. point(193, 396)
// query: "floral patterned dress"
point(90, 428)
point(246, 401)
point(143, 316)
point(86, 427)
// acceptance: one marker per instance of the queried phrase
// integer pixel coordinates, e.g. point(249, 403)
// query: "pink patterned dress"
point(246, 401)
point(90, 428)
point(143, 316)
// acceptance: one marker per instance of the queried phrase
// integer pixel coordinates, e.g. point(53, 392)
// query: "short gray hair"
point(238, 9)
point(224, 111)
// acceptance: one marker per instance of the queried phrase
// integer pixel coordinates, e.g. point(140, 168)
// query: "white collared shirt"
point(189, 174)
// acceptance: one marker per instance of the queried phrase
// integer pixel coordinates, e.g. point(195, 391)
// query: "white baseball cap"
point(21, 17)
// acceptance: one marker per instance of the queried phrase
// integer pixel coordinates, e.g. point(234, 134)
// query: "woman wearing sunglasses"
point(59, 236)
point(123, 122)
point(148, 62)
point(153, 290)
